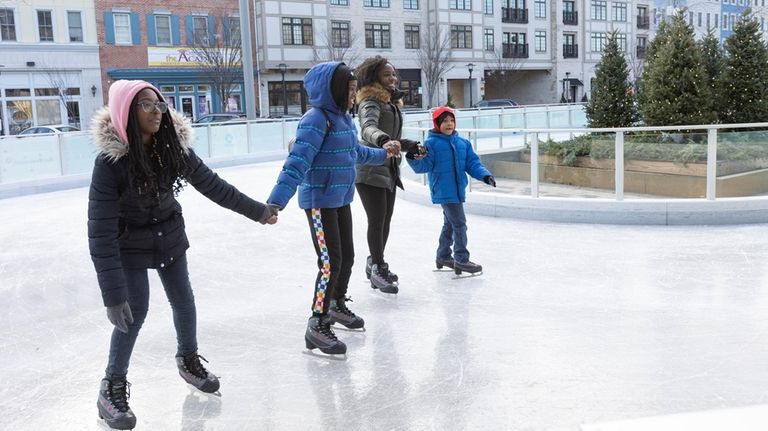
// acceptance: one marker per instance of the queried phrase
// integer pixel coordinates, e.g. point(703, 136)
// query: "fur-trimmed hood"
point(110, 145)
point(377, 92)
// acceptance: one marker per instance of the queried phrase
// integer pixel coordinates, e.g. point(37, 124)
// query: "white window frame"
point(119, 40)
point(195, 29)
point(540, 40)
point(167, 16)
point(619, 12)
point(69, 27)
point(53, 25)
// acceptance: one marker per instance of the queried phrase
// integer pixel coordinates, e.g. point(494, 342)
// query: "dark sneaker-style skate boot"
point(319, 335)
point(339, 313)
point(467, 266)
point(441, 262)
point(193, 372)
point(379, 280)
point(113, 404)
point(391, 276)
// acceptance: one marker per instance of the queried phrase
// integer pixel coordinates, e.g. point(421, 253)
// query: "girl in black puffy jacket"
point(135, 223)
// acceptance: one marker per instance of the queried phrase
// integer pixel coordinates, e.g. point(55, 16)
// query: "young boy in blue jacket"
point(447, 160)
point(321, 165)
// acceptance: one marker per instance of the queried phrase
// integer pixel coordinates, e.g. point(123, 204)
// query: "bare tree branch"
point(58, 78)
point(434, 58)
point(221, 61)
point(502, 73)
point(339, 50)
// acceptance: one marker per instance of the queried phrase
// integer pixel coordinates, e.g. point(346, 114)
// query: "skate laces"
point(341, 304)
point(325, 329)
point(195, 367)
point(118, 393)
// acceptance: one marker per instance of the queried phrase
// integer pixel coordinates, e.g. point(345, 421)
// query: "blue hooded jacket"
point(323, 171)
point(448, 160)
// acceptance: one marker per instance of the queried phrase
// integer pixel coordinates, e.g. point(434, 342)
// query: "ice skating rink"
point(571, 327)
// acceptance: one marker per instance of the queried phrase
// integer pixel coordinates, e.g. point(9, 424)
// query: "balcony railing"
point(515, 50)
point(513, 15)
point(640, 51)
point(570, 50)
point(643, 21)
point(570, 18)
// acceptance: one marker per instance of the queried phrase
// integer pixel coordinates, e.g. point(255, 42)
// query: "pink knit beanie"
point(121, 94)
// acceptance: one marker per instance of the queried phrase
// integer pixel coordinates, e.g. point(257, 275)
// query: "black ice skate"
point(193, 372)
point(379, 279)
point(319, 335)
point(113, 404)
point(470, 267)
point(444, 262)
point(339, 313)
point(391, 276)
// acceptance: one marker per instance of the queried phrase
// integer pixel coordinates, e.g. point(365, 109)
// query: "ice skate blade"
point(344, 328)
point(443, 269)
point(102, 424)
point(465, 274)
point(320, 355)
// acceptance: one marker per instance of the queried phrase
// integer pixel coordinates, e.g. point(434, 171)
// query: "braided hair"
point(158, 168)
point(367, 72)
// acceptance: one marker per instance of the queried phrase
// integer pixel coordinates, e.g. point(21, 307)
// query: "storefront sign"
point(181, 57)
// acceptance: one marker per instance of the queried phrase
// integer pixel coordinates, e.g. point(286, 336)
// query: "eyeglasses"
point(150, 107)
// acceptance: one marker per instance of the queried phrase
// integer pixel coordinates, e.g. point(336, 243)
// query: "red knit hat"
point(438, 115)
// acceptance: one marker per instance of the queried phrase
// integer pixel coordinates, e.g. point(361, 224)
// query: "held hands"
point(393, 148)
point(120, 315)
point(416, 152)
point(488, 179)
point(270, 214)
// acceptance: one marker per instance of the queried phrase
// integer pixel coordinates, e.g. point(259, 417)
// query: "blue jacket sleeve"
point(474, 166)
point(309, 139)
point(370, 156)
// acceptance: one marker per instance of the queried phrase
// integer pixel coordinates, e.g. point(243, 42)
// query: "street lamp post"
point(470, 67)
point(566, 87)
point(283, 67)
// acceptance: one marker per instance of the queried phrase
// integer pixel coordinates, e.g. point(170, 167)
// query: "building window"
point(7, 25)
point(621, 40)
point(45, 25)
point(540, 39)
point(488, 39)
point(122, 22)
point(539, 8)
point(233, 34)
point(599, 10)
point(75, 23)
point(297, 31)
point(619, 12)
point(340, 34)
point(163, 29)
point(376, 3)
point(488, 7)
point(461, 36)
point(411, 4)
point(200, 30)
point(412, 36)
point(460, 4)
point(598, 41)
point(339, 2)
point(377, 35)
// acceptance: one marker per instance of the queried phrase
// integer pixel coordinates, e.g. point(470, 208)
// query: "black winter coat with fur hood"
point(380, 121)
point(124, 234)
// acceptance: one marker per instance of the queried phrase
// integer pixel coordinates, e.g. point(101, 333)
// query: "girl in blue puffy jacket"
point(447, 160)
point(321, 166)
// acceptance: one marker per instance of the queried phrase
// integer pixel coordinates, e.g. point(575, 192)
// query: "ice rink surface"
point(571, 326)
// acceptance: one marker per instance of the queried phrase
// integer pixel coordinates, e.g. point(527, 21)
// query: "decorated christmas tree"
point(674, 89)
point(613, 101)
point(743, 83)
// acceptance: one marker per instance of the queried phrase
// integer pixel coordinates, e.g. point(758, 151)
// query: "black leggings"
point(331, 230)
point(379, 204)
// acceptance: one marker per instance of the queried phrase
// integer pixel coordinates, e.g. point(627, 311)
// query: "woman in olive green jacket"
point(381, 121)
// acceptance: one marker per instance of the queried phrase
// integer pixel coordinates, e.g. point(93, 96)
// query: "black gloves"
point(488, 179)
point(415, 150)
point(270, 211)
point(120, 315)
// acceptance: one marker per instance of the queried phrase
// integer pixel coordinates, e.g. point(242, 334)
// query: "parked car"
point(496, 103)
point(53, 128)
point(222, 117)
